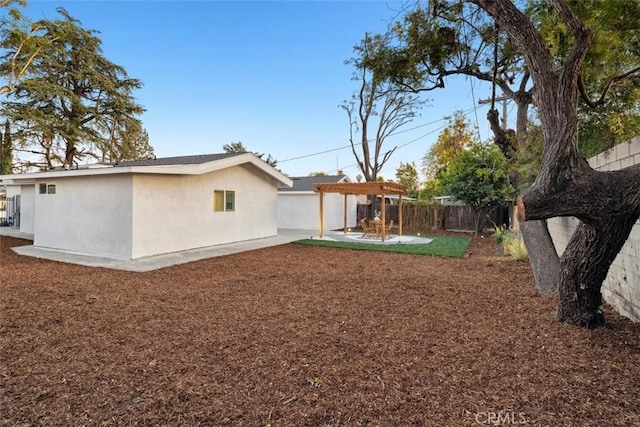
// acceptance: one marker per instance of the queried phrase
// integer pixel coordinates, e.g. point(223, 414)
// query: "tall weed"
point(513, 245)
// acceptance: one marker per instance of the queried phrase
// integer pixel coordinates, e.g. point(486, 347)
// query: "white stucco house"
point(298, 206)
point(137, 209)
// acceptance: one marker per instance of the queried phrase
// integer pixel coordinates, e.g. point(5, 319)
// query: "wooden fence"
point(421, 216)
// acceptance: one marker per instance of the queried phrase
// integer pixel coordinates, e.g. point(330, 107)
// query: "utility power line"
point(331, 150)
point(399, 146)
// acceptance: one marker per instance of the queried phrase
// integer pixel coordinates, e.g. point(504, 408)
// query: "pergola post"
point(400, 214)
point(321, 216)
point(384, 217)
point(345, 214)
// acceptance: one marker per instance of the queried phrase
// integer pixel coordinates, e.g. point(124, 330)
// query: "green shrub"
point(499, 233)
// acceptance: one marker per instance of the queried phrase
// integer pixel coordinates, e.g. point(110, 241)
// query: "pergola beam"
point(359, 188)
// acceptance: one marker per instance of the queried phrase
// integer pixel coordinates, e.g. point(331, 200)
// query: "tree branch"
point(524, 34)
point(612, 82)
point(582, 36)
point(607, 193)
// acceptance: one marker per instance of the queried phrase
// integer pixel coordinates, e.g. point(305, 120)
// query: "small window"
point(218, 201)
point(230, 201)
point(224, 201)
point(51, 189)
point(42, 189)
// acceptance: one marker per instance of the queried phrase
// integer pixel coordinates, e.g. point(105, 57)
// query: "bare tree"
point(375, 111)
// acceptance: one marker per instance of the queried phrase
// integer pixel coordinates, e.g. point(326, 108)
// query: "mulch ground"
point(305, 336)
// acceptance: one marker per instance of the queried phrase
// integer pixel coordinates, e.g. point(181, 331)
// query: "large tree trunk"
point(543, 257)
point(607, 203)
point(584, 267)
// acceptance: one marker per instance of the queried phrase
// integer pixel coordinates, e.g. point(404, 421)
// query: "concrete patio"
point(356, 237)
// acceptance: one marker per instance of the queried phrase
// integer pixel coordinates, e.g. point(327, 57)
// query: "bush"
point(499, 233)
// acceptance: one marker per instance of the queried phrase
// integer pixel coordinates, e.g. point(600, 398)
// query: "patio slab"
point(356, 237)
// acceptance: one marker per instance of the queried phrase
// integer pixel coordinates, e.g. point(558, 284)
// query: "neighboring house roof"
point(183, 165)
point(306, 183)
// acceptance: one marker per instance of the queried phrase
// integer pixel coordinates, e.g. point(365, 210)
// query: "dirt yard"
point(304, 336)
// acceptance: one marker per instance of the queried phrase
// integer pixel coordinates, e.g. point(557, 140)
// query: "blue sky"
point(270, 74)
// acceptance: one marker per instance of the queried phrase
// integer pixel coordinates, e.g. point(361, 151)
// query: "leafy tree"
point(14, 65)
point(407, 174)
point(318, 174)
point(375, 111)
point(452, 141)
point(431, 188)
point(511, 46)
point(454, 37)
point(606, 203)
point(479, 176)
point(71, 101)
point(129, 141)
point(234, 147)
point(609, 86)
point(6, 151)
point(457, 136)
point(446, 38)
point(30, 41)
point(238, 147)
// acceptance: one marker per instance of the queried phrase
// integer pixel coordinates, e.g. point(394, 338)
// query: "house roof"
point(306, 183)
point(183, 165)
point(181, 160)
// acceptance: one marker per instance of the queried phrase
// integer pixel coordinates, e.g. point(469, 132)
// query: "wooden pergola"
point(362, 188)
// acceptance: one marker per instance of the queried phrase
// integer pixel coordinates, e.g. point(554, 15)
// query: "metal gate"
point(10, 211)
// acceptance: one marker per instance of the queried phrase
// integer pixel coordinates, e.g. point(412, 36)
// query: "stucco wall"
point(175, 212)
point(88, 215)
point(621, 288)
point(27, 208)
point(13, 190)
point(301, 211)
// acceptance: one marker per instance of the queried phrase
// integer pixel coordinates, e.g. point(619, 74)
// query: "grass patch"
point(440, 246)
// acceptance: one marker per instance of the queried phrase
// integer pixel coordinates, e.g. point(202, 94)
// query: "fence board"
point(422, 216)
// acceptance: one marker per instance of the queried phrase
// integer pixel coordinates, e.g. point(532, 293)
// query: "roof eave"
point(188, 169)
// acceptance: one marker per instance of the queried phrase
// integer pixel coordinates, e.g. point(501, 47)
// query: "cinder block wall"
point(621, 288)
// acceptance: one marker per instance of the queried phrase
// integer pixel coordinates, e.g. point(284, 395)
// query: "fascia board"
point(20, 178)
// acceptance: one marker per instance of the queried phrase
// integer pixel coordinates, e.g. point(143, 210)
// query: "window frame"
point(224, 200)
